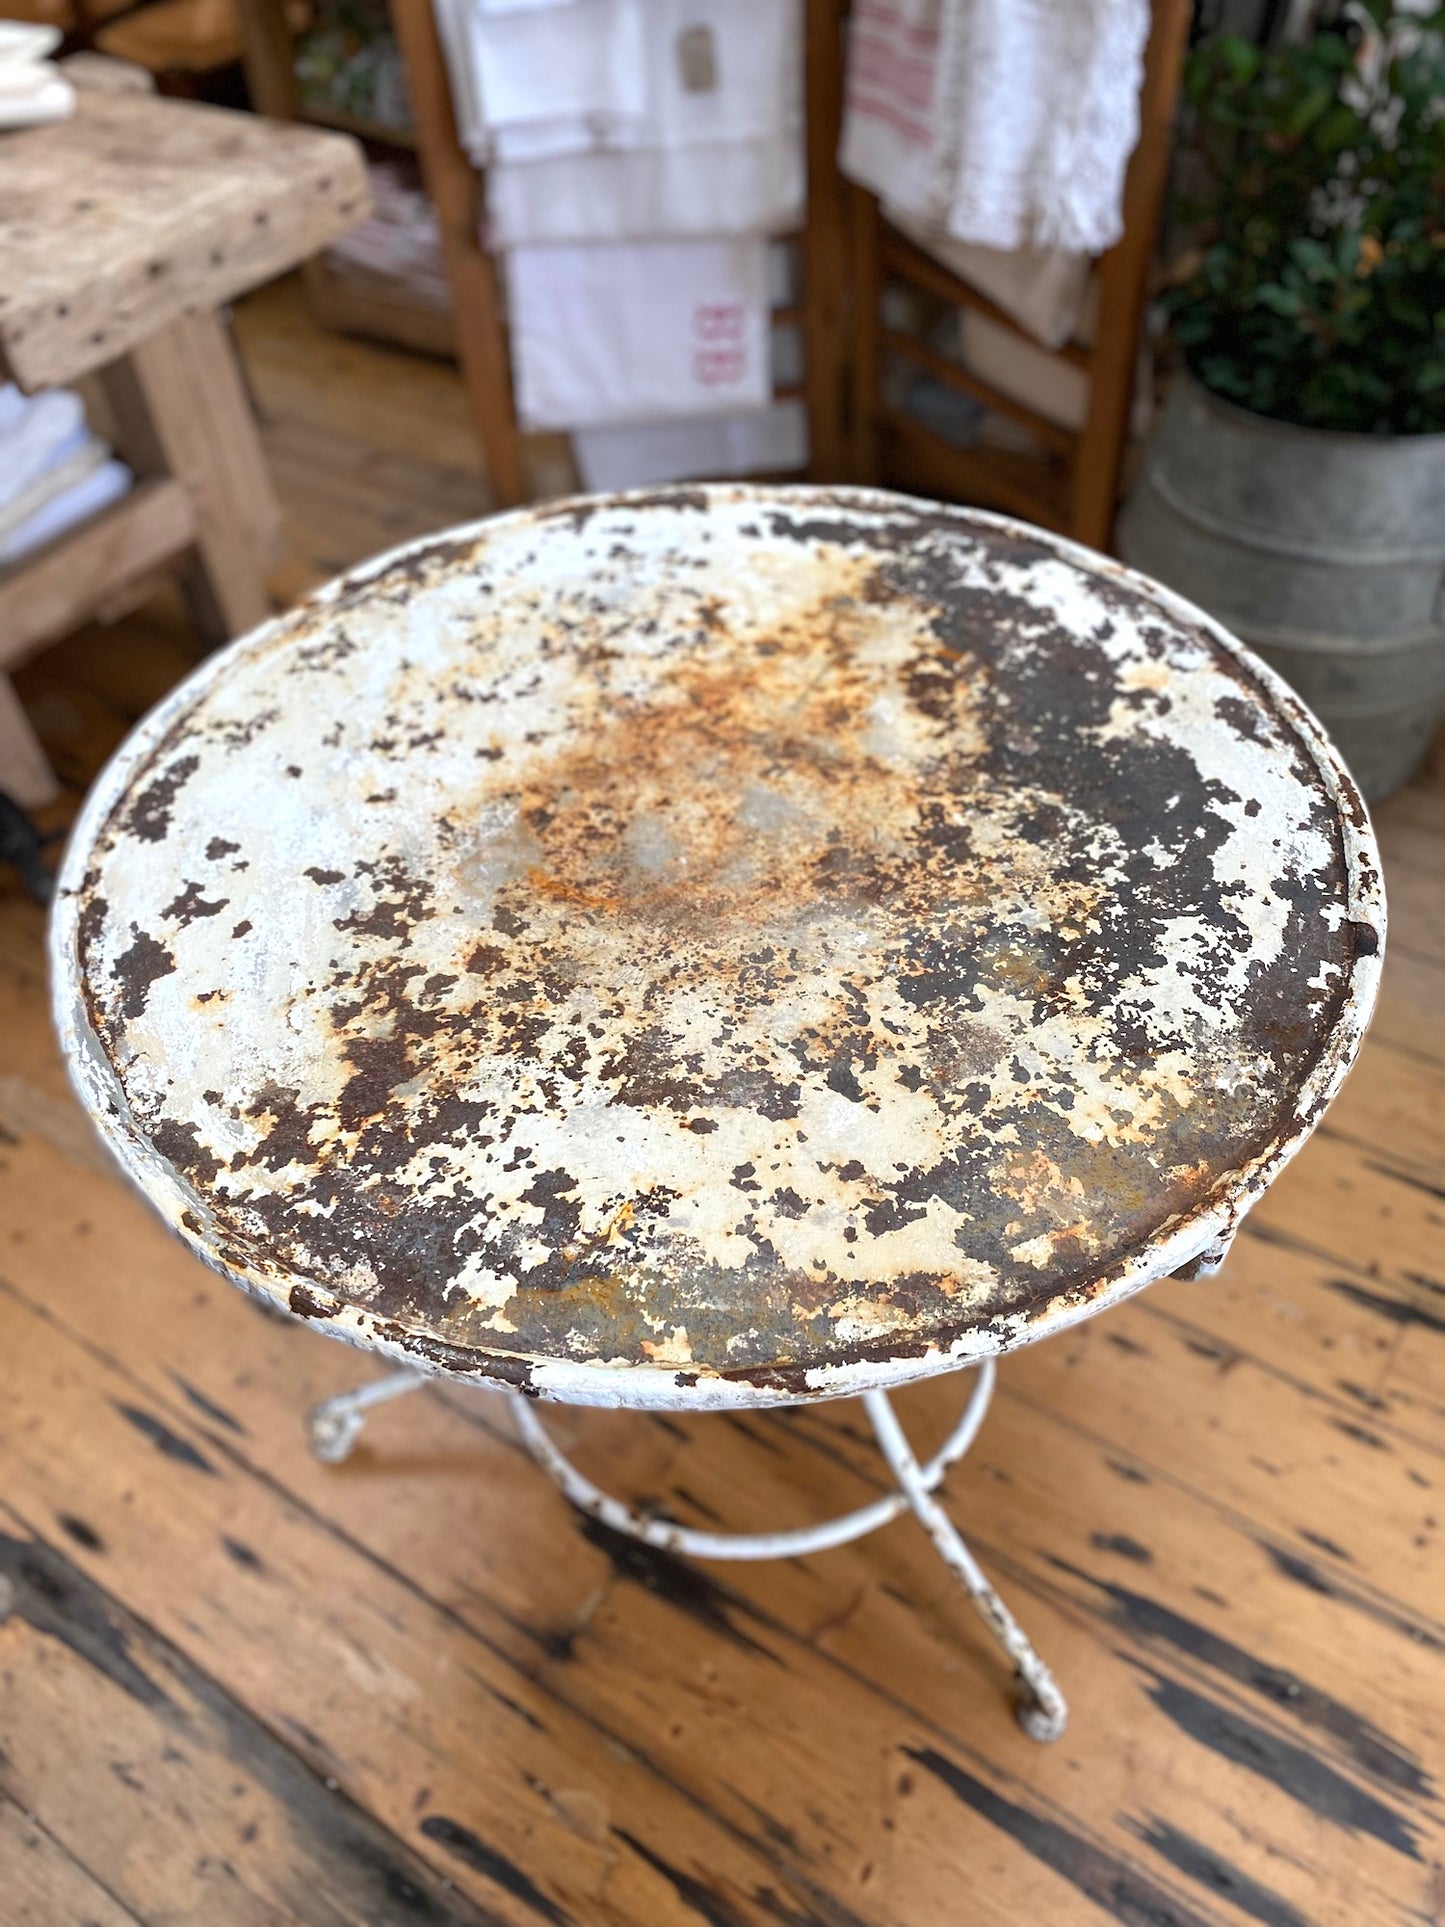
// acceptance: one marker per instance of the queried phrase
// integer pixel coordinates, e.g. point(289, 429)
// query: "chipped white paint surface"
point(717, 947)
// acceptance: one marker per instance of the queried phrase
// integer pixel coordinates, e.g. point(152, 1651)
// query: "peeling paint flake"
point(810, 937)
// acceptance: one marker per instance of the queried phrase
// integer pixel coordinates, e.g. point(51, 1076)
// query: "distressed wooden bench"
point(122, 232)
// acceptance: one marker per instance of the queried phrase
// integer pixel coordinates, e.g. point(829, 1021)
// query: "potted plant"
point(1296, 485)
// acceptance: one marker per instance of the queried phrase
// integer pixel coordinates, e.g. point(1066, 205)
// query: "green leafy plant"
point(1314, 185)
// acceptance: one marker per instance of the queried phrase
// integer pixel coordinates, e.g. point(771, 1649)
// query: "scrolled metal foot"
point(336, 1423)
point(1042, 1716)
point(334, 1430)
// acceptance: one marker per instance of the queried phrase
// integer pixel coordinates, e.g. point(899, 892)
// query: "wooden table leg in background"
point(181, 409)
point(453, 186)
point(56, 588)
point(827, 290)
point(25, 773)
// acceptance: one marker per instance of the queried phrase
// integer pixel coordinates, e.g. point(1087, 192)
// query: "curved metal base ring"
point(336, 1423)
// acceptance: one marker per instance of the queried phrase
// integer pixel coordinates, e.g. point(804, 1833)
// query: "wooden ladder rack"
point(1072, 484)
point(848, 253)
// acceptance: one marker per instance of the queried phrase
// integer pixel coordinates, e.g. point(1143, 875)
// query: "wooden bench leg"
point(25, 773)
point(181, 409)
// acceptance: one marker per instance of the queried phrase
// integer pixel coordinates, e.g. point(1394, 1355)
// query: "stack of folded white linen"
point(639, 155)
point(399, 240)
point(997, 134)
point(32, 88)
point(53, 471)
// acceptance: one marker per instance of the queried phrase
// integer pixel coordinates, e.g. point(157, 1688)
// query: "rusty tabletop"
point(717, 946)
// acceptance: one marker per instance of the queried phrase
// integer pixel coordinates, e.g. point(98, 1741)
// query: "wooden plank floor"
point(238, 1687)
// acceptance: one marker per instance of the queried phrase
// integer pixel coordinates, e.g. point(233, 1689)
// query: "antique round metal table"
point(719, 947)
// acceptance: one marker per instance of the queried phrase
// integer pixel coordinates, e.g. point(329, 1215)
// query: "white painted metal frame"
point(1174, 1246)
point(336, 1424)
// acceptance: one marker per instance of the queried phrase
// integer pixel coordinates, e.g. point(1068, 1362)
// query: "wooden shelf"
point(343, 297)
point(364, 129)
point(355, 302)
point(55, 589)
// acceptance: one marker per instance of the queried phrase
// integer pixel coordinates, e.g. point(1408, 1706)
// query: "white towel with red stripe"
point(893, 117)
point(1008, 123)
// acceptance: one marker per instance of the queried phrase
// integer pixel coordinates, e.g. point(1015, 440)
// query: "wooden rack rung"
point(1062, 440)
point(321, 114)
point(1033, 488)
point(848, 252)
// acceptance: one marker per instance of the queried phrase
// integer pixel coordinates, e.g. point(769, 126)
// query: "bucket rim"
point(1348, 437)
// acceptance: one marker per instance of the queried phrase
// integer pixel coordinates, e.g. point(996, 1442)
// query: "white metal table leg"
point(1043, 1712)
point(335, 1424)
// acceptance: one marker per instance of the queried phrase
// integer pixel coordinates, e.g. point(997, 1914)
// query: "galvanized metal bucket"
point(1326, 552)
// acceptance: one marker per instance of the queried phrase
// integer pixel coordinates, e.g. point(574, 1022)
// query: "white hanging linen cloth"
point(630, 119)
point(740, 187)
point(581, 64)
point(1049, 115)
point(638, 331)
point(637, 154)
point(896, 125)
point(513, 47)
point(452, 17)
point(1042, 288)
point(762, 441)
point(706, 71)
point(1006, 124)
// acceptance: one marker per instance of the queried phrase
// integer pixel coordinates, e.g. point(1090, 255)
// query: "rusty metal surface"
point(717, 946)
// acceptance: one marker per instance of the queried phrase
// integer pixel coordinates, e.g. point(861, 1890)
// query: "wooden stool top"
point(138, 210)
point(717, 946)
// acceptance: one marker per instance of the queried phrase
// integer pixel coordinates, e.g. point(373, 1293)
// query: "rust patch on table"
point(736, 932)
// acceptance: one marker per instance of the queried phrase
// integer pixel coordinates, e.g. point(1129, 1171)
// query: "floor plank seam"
point(1260, 1231)
point(68, 1854)
point(1420, 1628)
point(1228, 1349)
point(538, 1681)
point(184, 1666)
point(1255, 1705)
point(785, 1871)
